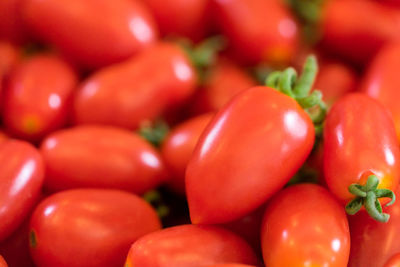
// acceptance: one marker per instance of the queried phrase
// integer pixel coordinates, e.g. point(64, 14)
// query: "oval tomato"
point(37, 98)
point(189, 245)
point(304, 225)
point(22, 173)
point(394, 261)
point(140, 89)
point(79, 28)
point(100, 156)
point(88, 227)
point(3, 263)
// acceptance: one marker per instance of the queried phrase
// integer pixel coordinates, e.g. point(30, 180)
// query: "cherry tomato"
point(3, 263)
point(381, 81)
point(88, 227)
point(37, 99)
point(22, 174)
point(100, 156)
point(189, 245)
point(394, 261)
point(304, 225)
point(354, 35)
point(359, 141)
point(79, 28)
point(11, 24)
point(258, 30)
point(178, 147)
point(238, 162)
point(140, 89)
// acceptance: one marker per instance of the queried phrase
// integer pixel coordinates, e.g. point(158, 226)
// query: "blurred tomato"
point(9, 58)
point(3, 263)
point(11, 26)
point(394, 261)
point(3, 137)
point(231, 265)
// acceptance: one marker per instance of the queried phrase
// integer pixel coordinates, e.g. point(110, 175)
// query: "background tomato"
point(3, 263)
point(394, 261)
point(11, 24)
point(231, 265)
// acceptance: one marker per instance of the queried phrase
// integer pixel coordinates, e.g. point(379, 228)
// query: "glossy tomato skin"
point(100, 157)
point(374, 243)
point(178, 148)
point(37, 99)
point(394, 261)
point(79, 30)
point(22, 173)
point(139, 89)
point(96, 226)
point(3, 263)
point(249, 150)
point(258, 30)
point(304, 225)
point(11, 25)
point(381, 81)
point(360, 139)
point(189, 245)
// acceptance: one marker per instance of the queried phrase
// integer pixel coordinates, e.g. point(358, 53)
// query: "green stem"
point(306, 79)
point(154, 132)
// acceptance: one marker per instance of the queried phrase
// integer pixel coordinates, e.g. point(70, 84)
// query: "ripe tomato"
point(189, 245)
point(9, 58)
point(178, 147)
point(79, 28)
point(258, 30)
point(3, 263)
point(360, 141)
point(100, 156)
point(37, 99)
point(140, 89)
point(381, 81)
point(231, 265)
point(11, 26)
point(88, 227)
point(3, 137)
point(21, 180)
point(233, 171)
point(394, 261)
point(304, 225)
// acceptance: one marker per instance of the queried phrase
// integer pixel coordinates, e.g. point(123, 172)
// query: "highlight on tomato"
point(394, 261)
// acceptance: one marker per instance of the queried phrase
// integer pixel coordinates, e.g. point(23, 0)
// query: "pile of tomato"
point(199, 133)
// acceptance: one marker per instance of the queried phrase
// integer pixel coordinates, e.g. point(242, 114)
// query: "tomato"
point(88, 227)
point(372, 242)
point(381, 81)
point(360, 141)
point(181, 17)
point(258, 30)
point(9, 58)
point(3, 263)
point(79, 28)
point(11, 26)
point(21, 179)
point(178, 147)
point(304, 225)
point(394, 261)
point(37, 99)
point(100, 156)
point(3, 137)
point(231, 265)
point(354, 35)
point(189, 245)
point(139, 89)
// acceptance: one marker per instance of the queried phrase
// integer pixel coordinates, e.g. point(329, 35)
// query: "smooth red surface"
point(139, 89)
point(9, 55)
point(101, 157)
point(304, 225)
point(89, 227)
point(250, 150)
point(394, 261)
point(178, 148)
point(359, 139)
point(3, 263)
point(11, 26)
point(37, 99)
point(189, 245)
point(94, 33)
point(22, 173)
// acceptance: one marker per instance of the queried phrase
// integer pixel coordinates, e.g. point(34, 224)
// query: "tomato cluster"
point(201, 133)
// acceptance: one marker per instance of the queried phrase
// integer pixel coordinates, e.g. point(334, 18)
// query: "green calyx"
point(299, 88)
point(154, 198)
point(32, 239)
point(154, 132)
point(368, 196)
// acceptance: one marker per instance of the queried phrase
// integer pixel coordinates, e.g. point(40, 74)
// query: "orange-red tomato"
point(94, 33)
point(304, 225)
point(231, 265)
point(3, 137)
point(394, 261)
point(139, 89)
point(11, 24)
point(189, 245)
point(37, 98)
point(101, 157)
point(3, 263)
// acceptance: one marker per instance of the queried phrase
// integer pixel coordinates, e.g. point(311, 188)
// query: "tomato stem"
point(32, 239)
point(154, 132)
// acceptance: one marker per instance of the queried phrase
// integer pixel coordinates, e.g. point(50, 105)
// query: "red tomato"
point(11, 26)
point(181, 17)
point(79, 28)
point(3, 137)
point(100, 156)
point(140, 89)
point(88, 227)
point(231, 265)
point(394, 261)
point(3, 263)
point(359, 140)
point(178, 147)
point(21, 179)
point(358, 36)
point(9, 58)
point(37, 99)
point(189, 245)
point(258, 30)
point(238, 162)
point(382, 82)
point(304, 225)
